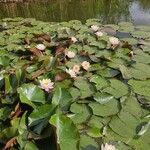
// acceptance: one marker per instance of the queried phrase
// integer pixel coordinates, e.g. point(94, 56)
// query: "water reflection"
point(109, 11)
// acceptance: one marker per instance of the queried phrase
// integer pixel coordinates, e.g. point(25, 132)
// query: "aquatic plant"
point(97, 98)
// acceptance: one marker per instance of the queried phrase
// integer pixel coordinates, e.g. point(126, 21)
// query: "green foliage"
point(67, 134)
point(106, 102)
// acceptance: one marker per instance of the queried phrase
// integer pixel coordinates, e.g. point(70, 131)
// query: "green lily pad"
point(62, 98)
point(140, 87)
point(88, 143)
point(85, 87)
point(107, 109)
point(117, 88)
point(81, 113)
point(103, 98)
point(67, 134)
point(30, 93)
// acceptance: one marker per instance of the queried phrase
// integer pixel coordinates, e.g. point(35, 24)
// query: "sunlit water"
point(109, 11)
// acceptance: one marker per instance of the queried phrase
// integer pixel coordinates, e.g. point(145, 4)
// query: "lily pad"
point(107, 109)
point(67, 134)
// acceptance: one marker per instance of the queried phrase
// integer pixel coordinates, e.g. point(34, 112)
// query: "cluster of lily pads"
point(74, 86)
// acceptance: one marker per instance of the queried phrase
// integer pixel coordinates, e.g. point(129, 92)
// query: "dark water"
point(109, 11)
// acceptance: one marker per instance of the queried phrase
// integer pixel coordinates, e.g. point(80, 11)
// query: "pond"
point(68, 85)
point(109, 11)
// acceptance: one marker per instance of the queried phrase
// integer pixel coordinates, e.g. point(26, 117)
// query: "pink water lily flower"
point(70, 54)
point(99, 33)
point(85, 65)
point(76, 69)
point(71, 73)
point(41, 47)
point(94, 28)
point(107, 147)
point(114, 41)
point(74, 39)
point(46, 84)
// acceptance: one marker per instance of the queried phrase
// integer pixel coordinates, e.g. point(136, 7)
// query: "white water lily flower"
point(94, 28)
point(71, 73)
point(4, 24)
point(27, 46)
point(70, 54)
point(76, 68)
point(46, 84)
point(99, 33)
point(85, 65)
point(41, 47)
point(107, 147)
point(114, 41)
point(74, 39)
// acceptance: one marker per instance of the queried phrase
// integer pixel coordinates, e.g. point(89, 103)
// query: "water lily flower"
point(46, 84)
point(70, 54)
point(27, 46)
point(114, 41)
point(41, 47)
point(131, 54)
point(4, 24)
point(107, 147)
point(85, 65)
point(94, 28)
point(99, 33)
point(76, 68)
point(71, 73)
point(74, 39)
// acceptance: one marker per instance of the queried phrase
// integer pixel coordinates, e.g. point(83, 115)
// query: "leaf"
point(140, 87)
point(88, 143)
point(117, 88)
point(94, 132)
point(4, 113)
point(104, 110)
point(62, 97)
point(108, 72)
point(102, 98)
point(141, 34)
point(99, 81)
point(67, 134)
point(144, 129)
point(4, 61)
point(81, 113)
point(8, 87)
point(132, 106)
point(89, 50)
point(22, 124)
point(122, 146)
point(143, 28)
point(75, 93)
point(140, 71)
point(131, 41)
point(41, 113)
point(99, 44)
point(30, 93)
point(95, 121)
point(30, 146)
point(141, 57)
point(8, 133)
point(116, 62)
point(126, 73)
point(86, 88)
point(124, 125)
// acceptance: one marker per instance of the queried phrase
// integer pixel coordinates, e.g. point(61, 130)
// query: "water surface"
point(109, 11)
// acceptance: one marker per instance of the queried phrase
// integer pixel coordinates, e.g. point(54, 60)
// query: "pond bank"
point(10, 1)
point(110, 11)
